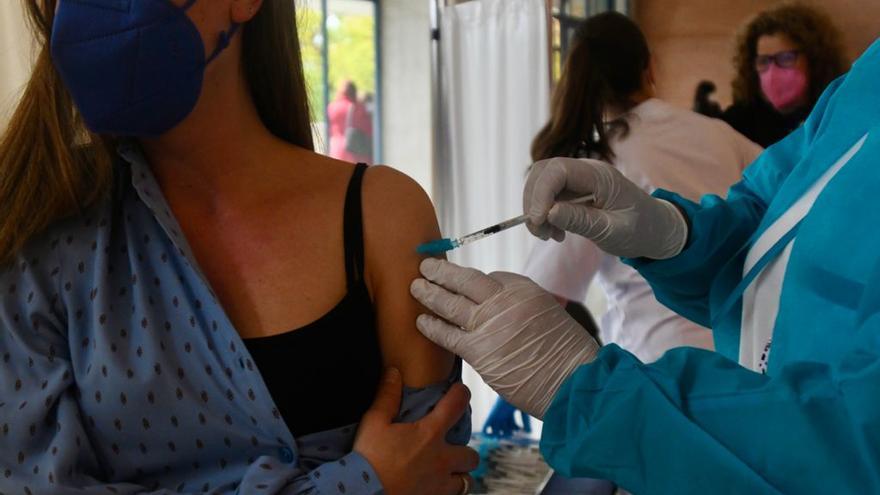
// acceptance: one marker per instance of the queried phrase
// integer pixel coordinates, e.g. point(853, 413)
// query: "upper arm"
point(398, 216)
point(36, 376)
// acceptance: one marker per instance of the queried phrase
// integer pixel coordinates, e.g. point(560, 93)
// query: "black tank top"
point(325, 375)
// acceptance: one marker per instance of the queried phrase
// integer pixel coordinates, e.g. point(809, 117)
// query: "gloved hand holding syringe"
point(441, 246)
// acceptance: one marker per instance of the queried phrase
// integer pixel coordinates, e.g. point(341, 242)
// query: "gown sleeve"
point(696, 422)
point(720, 228)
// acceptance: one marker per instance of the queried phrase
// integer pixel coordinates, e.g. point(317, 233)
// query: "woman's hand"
point(623, 220)
point(414, 458)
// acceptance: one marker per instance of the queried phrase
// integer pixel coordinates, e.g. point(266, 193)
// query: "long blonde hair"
point(52, 166)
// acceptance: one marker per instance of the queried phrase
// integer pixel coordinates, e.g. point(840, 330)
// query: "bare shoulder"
point(394, 193)
point(397, 211)
point(398, 216)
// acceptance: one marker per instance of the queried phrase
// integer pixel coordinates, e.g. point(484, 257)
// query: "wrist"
point(587, 350)
point(353, 471)
point(677, 231)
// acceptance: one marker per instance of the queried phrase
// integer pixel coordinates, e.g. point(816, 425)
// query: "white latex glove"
point(623, 220)
point(510, 330)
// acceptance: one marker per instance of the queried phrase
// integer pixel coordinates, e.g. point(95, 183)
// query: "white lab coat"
point(666, 148)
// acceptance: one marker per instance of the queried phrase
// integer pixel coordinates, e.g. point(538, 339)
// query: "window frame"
point(325, 73)
point(560, 12)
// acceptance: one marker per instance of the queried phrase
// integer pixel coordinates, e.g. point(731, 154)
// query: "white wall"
point(15, 55)
point(406, 88)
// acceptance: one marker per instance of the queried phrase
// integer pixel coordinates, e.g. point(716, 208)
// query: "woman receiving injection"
point(193, 299)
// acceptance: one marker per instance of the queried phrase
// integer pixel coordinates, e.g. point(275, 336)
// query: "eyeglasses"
point(784, 60)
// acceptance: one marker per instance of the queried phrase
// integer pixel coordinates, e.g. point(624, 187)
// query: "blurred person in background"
point(703, 102)
point(785, 58)
point(351, 126)
point(369, 102)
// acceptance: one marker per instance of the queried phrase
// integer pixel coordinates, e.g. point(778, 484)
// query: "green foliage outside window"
point(309, 29)
point(352, 54)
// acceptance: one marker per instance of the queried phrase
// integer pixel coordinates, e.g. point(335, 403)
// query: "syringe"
point(441, 246)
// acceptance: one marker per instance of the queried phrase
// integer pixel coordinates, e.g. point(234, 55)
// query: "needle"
point(446, 244)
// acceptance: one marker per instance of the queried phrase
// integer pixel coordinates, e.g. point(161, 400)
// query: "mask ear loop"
point(225, 39)
point(225, 36)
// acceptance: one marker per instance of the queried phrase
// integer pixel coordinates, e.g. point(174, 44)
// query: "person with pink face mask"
point(785, 58)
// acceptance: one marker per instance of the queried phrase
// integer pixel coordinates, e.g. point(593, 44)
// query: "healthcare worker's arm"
point(695, 422)
point(719, 228)
point(678, 256)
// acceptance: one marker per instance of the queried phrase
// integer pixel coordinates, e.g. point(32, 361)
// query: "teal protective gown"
point(696, 422)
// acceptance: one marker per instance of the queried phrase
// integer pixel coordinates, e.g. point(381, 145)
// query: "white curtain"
point(16, 51)
point(495, 97)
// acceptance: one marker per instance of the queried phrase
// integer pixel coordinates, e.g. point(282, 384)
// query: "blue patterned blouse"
point(121, 373)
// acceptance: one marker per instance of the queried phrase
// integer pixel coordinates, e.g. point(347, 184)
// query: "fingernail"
point(421, 288)
point(422, 321)
point(536, 217)
point(428, 266)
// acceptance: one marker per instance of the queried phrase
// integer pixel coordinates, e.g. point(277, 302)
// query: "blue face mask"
point(133, 67)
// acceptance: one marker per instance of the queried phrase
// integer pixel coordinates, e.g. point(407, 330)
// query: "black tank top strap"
point(353, 229)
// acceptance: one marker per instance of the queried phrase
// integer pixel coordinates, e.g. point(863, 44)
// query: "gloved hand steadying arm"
point(623, 220)
point(511, 331)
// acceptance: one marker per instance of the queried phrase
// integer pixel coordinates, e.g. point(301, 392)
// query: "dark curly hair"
point(809, 28)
